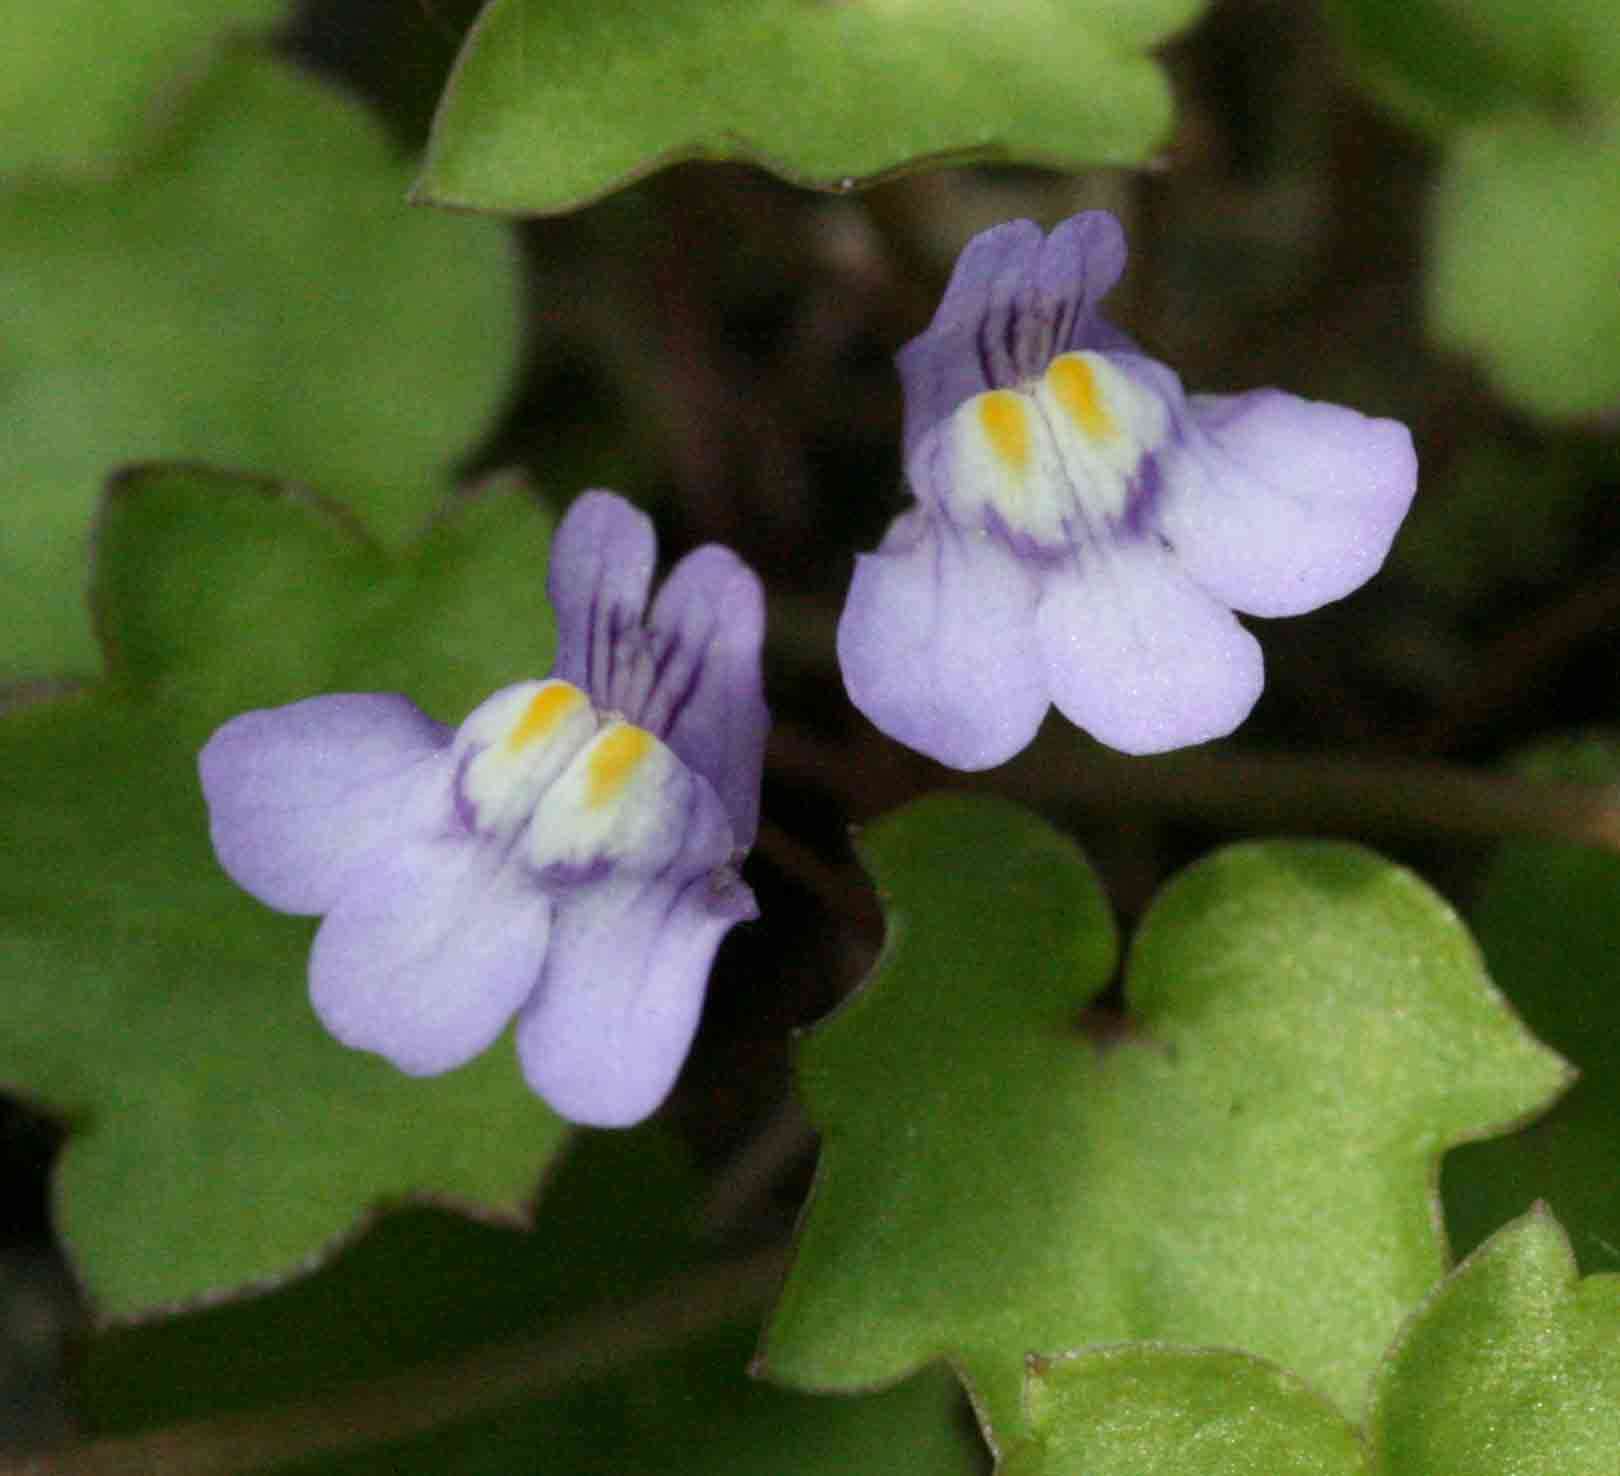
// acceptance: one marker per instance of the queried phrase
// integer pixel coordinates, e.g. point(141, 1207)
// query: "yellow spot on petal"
point(548, 707)
point(1075, 386)
point(613, 759)
point(1006, 427)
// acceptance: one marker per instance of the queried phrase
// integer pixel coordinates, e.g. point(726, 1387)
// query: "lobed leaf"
point(1252, 1165)
point(551, 106)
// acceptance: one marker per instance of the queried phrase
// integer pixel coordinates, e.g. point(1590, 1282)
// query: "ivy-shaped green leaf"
point(256, 295)
point(1253, 1165)
point(218, 1135)
point(551, 106)
point(83, 79)
point(1548, 919)
point(1511, 1369)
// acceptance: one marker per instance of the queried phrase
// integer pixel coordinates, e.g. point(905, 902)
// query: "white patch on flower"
point(1057, 454)
point(589, 788)
point(521, 740)
point(620, 799)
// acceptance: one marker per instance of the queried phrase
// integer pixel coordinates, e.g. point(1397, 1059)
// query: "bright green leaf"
point(1512, 1368)
point(1526, 246)
point(219, 1137)
point(83, 79)
point(257, 295)
point(551, 106)
point(1548, 920)
point(1141, 1410)
point(1252, 1165)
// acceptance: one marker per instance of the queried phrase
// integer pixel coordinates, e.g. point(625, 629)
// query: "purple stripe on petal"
point(1140, 657)
point(960, 354)
point(603, 1038)
point(602, 562)
point(300, 797)
point(1013, 303)
point(707, 700)
point(1277, 505)
point(428, 955)
point(1079, 264)
point(937, 643)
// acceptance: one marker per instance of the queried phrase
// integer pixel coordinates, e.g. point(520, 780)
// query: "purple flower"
point(567, 855)
point(1084, 530)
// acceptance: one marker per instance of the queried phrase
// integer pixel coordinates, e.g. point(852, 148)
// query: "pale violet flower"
point(1084, 530)
point(568, 855)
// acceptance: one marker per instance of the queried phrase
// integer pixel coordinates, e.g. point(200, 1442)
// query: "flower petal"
point(937, 643)
point(428, 955)
point(1013, 302)
point(602, 562)
point(1277, 505)
point(1140, 657)
point(603, 1038)
point(688, 670)
point(707, 697)
point(300, 796)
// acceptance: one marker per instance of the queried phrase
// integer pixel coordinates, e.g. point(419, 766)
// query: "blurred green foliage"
point(86, 84)
point(256, 295)
point(1524, 95)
